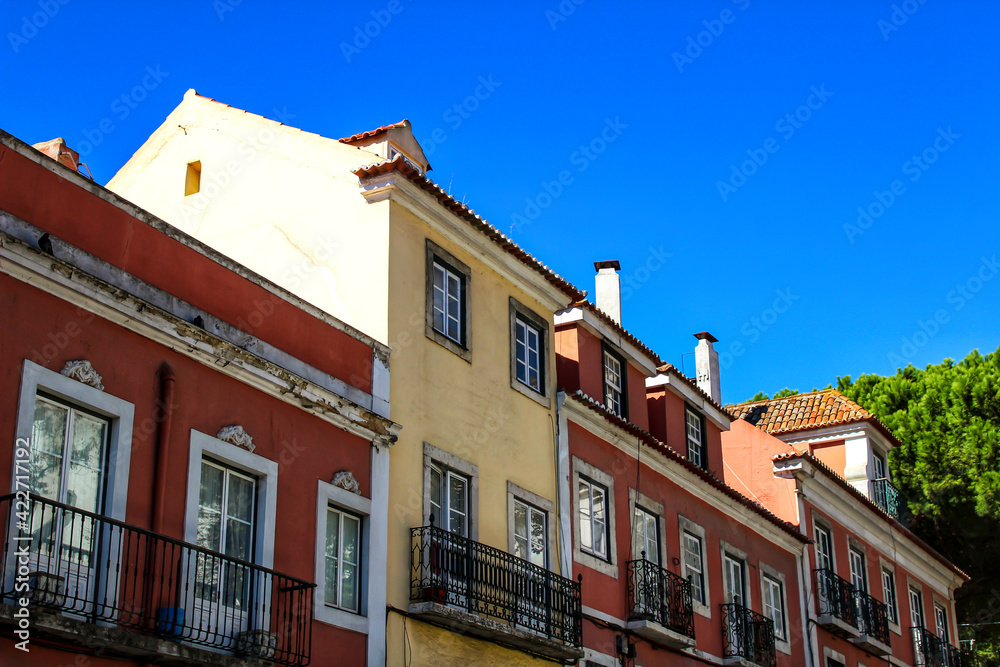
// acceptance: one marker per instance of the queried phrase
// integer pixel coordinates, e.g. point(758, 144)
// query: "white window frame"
point(120, 414)
point(439, 458)
point(832, 654)
point(436, 255)
point(912, 589)
point(519, 313)
point(887, 566)
point(768, 573)
point(729, 552)
point(685, 525)
point(654, 508)
point(622, 388)
point(330, 496)
point(265, 470)
point(941, 606)
point(854, 548)
point(610, 566)
point(820, 525)
point(696, 455)
point(515, 492)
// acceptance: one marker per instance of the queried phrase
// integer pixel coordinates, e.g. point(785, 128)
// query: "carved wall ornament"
point(236, 435)
point(345, 480)
point(82, 371)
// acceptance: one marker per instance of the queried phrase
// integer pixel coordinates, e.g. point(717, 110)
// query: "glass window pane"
point(238, 540)
point(49, 429)
point(520, 520)
point(349, 587)
point(83, 488)
point(333, 534)
point(585, 528)
point(351, 549)
point(436, 499)
point(241, 496)
point(209, 529)
point(210, 494)
point(456, 493)
point(46, 475)
point(331, 578)
point(88, 440)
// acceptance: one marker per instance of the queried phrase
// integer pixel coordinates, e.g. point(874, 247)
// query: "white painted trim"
point(378, 555)
point(597, 658)
point(328, 496)
point(266, 472)
point(595, 474)
point(687, 525)
point(120, 413)
point(886, 564)
point(603, 616)
point(94, 294)
point(380, 384)
point(565, 486)
point(766, 571)
point(836, 655)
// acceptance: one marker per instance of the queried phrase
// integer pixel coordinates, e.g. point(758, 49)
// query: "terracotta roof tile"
point(398, 164)
point(372, 133)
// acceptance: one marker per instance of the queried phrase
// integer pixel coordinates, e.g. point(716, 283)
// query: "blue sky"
point(720, 150)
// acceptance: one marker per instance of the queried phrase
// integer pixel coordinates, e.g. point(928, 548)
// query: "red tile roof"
point(372, 133)
point(801, 412)
point(671, 453)
point(840, 481)
point(619, 329)
point(398, 164)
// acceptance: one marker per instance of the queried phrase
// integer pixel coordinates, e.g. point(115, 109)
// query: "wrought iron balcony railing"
point(747, 634)
point(891, 499)
point(933, 651)
point(836, 597)
point(660, 596)
point(873, 617)
point(450, 569)
point(102, 571)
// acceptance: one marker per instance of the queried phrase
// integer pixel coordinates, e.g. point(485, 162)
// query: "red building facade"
point(198, 460)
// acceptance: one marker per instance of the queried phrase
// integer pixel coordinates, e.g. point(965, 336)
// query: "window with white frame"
point(858, 574)
point(889, 595)
point(941, 622)
point(734, 579)
point(774, 604)
point(594, 518)
point(916, 608)
point(695, 427)
point(646, 535)
point(824, 547)
point(343, 542)
point(694, 566)
point(528, 525)
point(529, 351)
point(447, 300)
point(615, 379)
point(226, 525)
point(451, 491)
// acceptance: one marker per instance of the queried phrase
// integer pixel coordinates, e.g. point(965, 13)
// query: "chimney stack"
point(60, 152)
point(609, 288)
point(706, 362)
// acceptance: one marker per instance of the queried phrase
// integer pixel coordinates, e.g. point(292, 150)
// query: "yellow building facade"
point(355, 227)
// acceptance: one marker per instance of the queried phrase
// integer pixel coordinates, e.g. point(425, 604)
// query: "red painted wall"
point(71, 213)
point(748, 452)
point(667, 424)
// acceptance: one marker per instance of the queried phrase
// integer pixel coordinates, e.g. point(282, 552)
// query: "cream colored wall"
point(467, 409)
point(279, 200)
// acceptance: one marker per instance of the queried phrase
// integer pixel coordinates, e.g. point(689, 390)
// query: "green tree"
point(948, 419)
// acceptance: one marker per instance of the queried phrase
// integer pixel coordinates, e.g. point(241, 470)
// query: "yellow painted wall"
point(467, 409)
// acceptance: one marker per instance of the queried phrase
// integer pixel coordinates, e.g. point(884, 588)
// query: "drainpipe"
point(162, 444)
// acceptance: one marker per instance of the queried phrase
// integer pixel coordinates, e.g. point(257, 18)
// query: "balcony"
point(145, 595)
point(660, 605)
point(890, 499)
point(873, 623)
point(933, 651)
point(747, 637)
point(838, 608)
point(488, 593)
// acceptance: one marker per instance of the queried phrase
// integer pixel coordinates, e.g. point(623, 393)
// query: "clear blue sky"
point(688, 91)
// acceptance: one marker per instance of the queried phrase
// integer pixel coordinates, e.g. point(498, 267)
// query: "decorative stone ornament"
point(82, 371)
point(345, 480)
point(236, 435)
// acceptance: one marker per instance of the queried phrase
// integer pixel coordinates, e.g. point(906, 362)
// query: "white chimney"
point(609, 288)
point(706, 362)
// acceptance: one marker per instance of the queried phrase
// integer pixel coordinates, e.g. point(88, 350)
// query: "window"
point(646, 535)
point(694, 566)
point(447, 301)
point(916, 608)
point(615, 383)
point(530, 533)
point(824, 548)
point(734, 578)
point(881, 471)
point(192, 180)
point(695, 427)
point(593, 518)
point(889, 595)
point(858, 577)
point(941, 622)
point(450, 499)
point(226, 525)
point(528, 352)
point(774, 606)
point(343, 564)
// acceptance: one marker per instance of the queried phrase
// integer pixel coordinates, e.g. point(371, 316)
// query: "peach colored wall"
point(833, 454)
point(748, 452)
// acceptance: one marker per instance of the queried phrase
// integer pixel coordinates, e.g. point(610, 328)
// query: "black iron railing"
point(103, 571)
point(873, 617)
point(454, 570)
point(933, 651)
point(747, 634)
point(660, 596)
point(891, 499)
point(836, 596)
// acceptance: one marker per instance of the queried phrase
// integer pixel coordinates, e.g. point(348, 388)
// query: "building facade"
point(474, 567)
point(876, 592)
